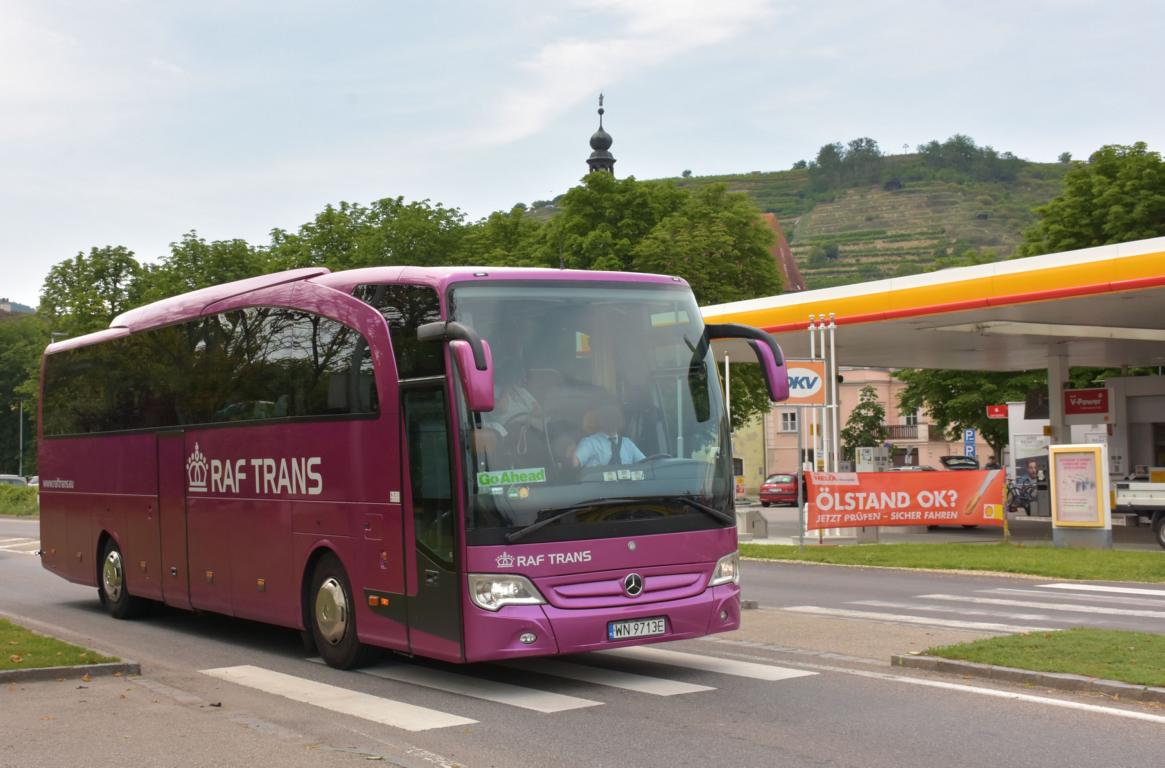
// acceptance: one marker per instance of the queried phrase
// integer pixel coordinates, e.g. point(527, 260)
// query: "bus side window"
point(405, 308)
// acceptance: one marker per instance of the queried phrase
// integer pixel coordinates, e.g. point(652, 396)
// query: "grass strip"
point(1057, 563)
point(1137, 658)
point(23, 649)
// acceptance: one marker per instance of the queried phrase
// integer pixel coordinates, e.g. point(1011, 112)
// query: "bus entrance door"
point(172, 518)
point(432, 581)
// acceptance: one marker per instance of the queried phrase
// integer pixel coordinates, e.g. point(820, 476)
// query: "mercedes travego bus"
point(465, 464)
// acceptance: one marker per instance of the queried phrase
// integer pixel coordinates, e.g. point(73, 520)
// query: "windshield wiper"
point(559, 513)
point(723, 517)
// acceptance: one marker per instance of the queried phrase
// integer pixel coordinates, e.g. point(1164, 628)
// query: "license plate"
point(624, 630)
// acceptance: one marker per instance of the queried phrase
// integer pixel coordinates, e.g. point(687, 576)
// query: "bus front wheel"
point(111, 587)
point(333, 617)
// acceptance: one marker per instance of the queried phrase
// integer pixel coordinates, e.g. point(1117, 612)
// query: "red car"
point(778, 489)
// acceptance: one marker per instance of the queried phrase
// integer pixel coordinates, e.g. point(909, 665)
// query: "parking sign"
point(969, 442)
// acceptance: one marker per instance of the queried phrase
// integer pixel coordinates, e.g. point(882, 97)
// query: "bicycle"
point(1021, 496)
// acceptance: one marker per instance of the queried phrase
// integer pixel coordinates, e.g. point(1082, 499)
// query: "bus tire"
point(111, 587)
point(332, 613)
point(1159, 528)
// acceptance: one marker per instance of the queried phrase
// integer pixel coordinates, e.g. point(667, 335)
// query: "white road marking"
point(20, 546)
point(7, 541)
point(951, 609)
point(1073, 607)
point(502, 693)
point(769, 672)
point(612, 678)
point(1102, 598)
point(907, 619)
point(365, 706)
point(991, 692)
point(1102, 588)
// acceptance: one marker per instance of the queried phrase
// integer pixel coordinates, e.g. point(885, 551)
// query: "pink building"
point(915, 440)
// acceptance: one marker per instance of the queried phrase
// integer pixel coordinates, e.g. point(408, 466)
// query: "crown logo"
point(196, 471)
point(505, 560)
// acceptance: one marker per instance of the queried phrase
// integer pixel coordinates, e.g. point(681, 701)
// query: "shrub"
point(18, 500)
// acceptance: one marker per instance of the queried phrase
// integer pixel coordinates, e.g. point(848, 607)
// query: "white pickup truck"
point(1143, 501)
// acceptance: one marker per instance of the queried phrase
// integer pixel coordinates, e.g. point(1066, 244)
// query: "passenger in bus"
point(514, 428)
point(606, 445)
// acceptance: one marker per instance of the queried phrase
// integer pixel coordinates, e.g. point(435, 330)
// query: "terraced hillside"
point(899, 226)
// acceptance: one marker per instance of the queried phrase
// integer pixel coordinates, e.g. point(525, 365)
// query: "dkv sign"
point(806, 382)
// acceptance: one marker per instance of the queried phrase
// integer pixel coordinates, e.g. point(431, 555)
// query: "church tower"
point(601, 159)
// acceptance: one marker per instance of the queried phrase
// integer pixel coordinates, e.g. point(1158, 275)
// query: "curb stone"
point(1059, 680)
point(59, 673)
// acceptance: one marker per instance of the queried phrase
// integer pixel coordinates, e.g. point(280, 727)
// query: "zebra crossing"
point(19, 545)
point(480, 682)
point(1009, 610)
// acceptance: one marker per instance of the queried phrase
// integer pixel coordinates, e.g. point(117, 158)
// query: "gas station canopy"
point(1101, 307)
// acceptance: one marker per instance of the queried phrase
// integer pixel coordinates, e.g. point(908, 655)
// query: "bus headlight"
point(491, 591)
point(727, 570)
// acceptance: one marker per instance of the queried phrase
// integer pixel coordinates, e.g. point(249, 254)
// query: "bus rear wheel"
point(333, 617)
point(111, 588)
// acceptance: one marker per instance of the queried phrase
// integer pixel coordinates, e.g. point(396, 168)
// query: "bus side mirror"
point(474, 360)
point(767, 351)
point(477, 383)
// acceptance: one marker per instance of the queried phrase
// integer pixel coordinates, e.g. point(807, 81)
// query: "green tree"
point(22, 339)
point(717, 242)
point(1117, 196)
point(194, 263)
point(84, 293)
point(1065, 157)
point(958, 400)
point(389, 231)
point(602, 220)
point(501, 239)
point(866, 425)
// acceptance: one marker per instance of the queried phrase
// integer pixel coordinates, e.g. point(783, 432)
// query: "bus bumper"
point(492, 636)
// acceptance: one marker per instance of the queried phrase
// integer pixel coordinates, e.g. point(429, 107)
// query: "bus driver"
point(606, 445)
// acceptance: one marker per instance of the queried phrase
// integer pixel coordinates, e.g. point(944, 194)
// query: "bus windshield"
point(608, 416)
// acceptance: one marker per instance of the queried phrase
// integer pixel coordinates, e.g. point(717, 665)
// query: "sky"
point(132, 122)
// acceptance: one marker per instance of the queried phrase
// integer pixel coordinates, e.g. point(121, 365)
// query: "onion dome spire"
point(601, 159)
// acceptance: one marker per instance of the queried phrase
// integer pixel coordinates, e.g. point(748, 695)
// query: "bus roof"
point(441, 277)
point(194, 303)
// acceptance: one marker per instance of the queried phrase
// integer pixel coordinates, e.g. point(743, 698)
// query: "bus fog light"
point(528, 638)
point(727, 570)
point(723, 615)
point(492, 591)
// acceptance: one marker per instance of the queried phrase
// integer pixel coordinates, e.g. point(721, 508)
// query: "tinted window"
point(249, 365)
point(269, 363)
point(405, 308)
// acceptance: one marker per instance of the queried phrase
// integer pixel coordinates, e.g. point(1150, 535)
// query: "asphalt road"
point(771, 694)
point(953, 600)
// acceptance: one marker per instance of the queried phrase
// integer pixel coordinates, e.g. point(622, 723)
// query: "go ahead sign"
point(806, 382)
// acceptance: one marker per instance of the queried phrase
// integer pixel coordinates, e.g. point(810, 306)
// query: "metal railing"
point(924, 432)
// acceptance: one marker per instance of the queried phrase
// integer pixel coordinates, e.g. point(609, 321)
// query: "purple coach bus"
point(466, 464)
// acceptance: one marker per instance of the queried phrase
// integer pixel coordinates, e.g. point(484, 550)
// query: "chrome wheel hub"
point(331, 611)
point(112, 576)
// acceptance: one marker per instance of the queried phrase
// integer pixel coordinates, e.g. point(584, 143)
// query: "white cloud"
point(631, 37)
